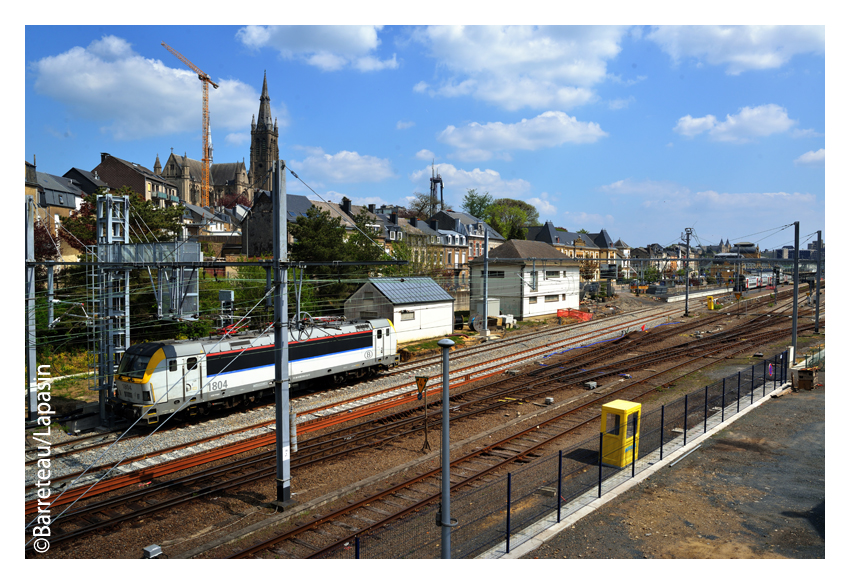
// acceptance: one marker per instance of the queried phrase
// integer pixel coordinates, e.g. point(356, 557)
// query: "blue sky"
point(643, 131)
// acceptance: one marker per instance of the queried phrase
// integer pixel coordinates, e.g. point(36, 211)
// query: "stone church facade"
point(264, 151)
point(229, 178)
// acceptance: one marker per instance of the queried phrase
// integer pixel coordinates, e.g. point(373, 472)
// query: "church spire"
point(265, 117)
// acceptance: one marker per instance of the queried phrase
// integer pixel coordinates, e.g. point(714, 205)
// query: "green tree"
point(319, 237)
point(587, 270)
point(402, 251)
point(475, 204)
point(651, 274)
point(508, 220)
point(423, 205)
point(532, 216)
point(363, 244)
point(148, 222)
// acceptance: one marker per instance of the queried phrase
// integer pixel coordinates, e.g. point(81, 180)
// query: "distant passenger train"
point(758, 280)
point(156, 379)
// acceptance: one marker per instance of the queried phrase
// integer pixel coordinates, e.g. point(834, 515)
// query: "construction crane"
point(206, 157)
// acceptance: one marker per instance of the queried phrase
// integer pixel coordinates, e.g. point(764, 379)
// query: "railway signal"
point(421, 382)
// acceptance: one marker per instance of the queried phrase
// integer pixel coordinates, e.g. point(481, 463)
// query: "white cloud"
point(690, 127)
point(402, 125)
point(812, 159)
point(590, 221)
point(329, 48)
point(134, 97)
point(457, 182)
point(477, 141)
point(425, 154)
point(740, 48)
point(645, 188)
point(617, 104)
point(754, 201)
point(662, 195)
point(618, 79)
point(543, 205)
point(809, 133)
point(342, 167)
point(521, 66)
point(748, 123)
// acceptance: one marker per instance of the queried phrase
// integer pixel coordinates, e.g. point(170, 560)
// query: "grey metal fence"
point(488, 515)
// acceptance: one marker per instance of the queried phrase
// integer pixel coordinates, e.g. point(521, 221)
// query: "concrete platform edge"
point(535, 541)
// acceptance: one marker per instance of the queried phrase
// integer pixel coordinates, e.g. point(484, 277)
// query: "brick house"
point(118, 173)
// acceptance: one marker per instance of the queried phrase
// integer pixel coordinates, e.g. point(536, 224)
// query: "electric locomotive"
point(159, 378)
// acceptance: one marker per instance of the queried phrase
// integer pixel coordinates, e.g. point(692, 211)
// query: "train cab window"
point(379, 333)
point(612, 424)
point(172, 365)
point(191, 363)
point(387, 332)
point(133, 365)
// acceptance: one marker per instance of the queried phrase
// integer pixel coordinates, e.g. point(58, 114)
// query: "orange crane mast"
point(206, 156)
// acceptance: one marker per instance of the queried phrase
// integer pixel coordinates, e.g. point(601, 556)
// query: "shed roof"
point(411, 290)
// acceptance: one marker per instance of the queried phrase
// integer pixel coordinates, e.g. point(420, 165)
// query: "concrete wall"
point(461, 299)
point(428, 321)
point(412, 322)
point(514, 286)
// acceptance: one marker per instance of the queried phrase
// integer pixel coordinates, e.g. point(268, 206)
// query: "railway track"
point(322, 448)
point(384, 398)
point(83, 444)
point(316, 537)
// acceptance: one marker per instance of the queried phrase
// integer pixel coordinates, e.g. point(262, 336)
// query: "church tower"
point(264, 150)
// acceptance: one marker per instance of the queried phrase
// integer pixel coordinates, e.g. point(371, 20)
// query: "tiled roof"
point(522, 249)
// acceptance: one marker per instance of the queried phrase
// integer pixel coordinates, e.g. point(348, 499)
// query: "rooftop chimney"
point(371, 207)
point(413, 221)
point(394, 218)
point(432, 223)
point(345, 205)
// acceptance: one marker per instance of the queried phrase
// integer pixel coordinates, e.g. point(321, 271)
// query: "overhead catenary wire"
point(143, 440)
point(330, 207)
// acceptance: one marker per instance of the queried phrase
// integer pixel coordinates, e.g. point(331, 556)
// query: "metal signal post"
point(421, 382)
point(281, 339)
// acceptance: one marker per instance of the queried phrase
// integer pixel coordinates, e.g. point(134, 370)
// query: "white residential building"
point(529, 278)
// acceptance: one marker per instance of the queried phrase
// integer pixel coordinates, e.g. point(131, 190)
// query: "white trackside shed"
point(529, 278)
point(418, 307)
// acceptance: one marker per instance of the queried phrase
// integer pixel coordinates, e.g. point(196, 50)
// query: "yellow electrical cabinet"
point(620, 432)
point(711, 302)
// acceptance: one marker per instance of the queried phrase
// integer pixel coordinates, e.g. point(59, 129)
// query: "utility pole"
point(281, 339)
point(29, 346)
point(817, 287)
point(486, 331)
point(444, 517)
point(688, 232)
point(796, 285)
